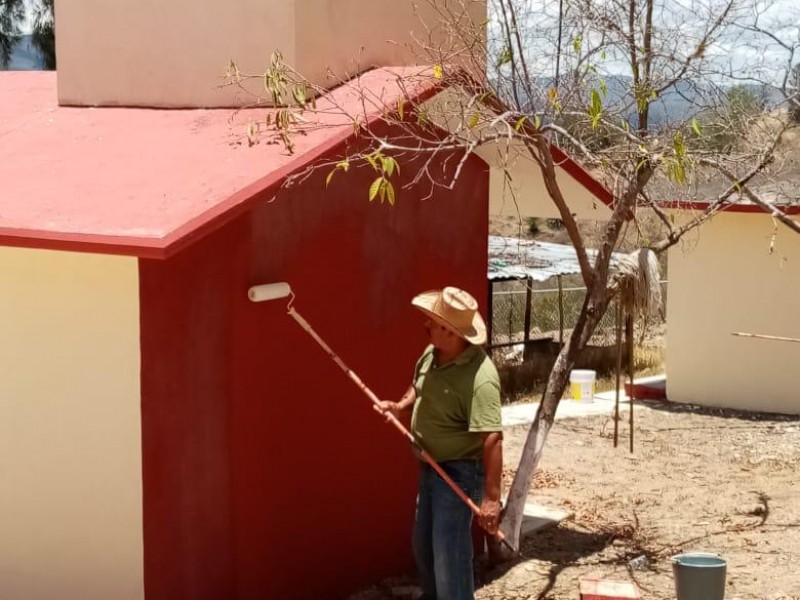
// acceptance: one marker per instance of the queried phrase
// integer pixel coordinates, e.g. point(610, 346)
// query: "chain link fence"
point(552, 311)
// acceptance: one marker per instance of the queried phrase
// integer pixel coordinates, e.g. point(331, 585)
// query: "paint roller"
point(276, 291)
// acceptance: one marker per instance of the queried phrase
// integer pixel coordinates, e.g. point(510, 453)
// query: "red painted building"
point(206, 447)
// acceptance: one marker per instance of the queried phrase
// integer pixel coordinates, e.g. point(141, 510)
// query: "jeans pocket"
point(467, 475)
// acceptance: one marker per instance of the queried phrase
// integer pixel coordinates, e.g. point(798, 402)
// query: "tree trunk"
point(591, 313)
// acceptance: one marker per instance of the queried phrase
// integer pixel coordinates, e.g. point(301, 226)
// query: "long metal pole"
point(767, 337)
point(629, 344)
point(527, 335)
point(560, 313)
point(619, 372)
point(395, 422)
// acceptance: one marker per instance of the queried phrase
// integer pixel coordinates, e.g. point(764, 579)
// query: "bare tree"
point(623, 68)
point(12, 12)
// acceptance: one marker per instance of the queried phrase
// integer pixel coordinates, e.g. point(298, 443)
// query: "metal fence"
point(545, 311)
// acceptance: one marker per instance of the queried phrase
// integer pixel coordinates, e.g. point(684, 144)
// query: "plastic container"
point(582, 384)
point(699, 576)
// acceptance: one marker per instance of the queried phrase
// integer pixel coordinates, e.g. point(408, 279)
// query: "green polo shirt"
point(456, 402)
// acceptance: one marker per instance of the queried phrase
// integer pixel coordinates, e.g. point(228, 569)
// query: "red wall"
point(266, 473)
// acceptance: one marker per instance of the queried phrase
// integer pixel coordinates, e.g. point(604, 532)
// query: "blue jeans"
point(443, 530)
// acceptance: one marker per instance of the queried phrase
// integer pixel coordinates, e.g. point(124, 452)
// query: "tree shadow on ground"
point(560, 546)
point(713, 411)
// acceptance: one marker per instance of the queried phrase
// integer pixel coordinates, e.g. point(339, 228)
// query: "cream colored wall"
point(70, 436)
point(173, 53)
point(724, 280)
point(350, 35)
point(525, 195)
point(165, 52)
point(516, 185)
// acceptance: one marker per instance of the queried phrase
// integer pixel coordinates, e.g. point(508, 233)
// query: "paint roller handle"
point(498, 535)
point(394, 421)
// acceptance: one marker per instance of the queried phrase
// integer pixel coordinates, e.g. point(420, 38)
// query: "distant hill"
point(673, 105)
point(24, 56)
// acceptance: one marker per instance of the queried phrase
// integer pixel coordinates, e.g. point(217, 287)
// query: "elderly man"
point(455, 397)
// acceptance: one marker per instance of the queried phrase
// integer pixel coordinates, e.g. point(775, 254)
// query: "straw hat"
point(455, 309)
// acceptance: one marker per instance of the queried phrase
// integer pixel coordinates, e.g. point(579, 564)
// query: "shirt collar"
point(464, 358)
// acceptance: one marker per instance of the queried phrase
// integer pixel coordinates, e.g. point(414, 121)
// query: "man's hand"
point(390, 408)
point(490, 515)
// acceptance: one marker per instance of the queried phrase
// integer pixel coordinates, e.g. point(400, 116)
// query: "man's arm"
point(493, 471)
point(405, 404)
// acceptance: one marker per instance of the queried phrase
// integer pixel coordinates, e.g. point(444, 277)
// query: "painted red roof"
point(146, 182)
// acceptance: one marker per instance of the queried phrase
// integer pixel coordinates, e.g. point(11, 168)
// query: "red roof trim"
point(598, 190)
point(582, 176)
point(737, 208)
point(80, 242)
point(264, 188)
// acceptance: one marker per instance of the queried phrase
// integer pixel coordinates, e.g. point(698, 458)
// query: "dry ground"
point(699, 480)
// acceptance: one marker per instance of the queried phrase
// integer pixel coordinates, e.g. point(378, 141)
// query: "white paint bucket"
point(582, 384)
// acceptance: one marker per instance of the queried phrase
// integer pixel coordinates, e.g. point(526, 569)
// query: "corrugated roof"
point(513, 258)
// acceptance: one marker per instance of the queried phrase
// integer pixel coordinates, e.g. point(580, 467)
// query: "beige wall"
point(173, 52)
point(70, 438)
point(724, 280)
point(525, 194)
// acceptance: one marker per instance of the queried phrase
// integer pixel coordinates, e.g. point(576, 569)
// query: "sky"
point(745, 53)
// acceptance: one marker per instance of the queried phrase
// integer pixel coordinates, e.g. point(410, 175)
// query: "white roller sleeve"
point(269, 291)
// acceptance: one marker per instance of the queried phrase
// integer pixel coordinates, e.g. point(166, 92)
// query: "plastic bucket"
point(581, 384)
point(699, 576)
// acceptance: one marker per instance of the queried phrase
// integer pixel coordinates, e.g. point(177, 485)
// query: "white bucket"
point(581, 383)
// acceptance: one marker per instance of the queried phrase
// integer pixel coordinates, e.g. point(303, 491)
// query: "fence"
point(517, 306)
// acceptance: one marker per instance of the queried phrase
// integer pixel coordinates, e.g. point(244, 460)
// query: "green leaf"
point(343, 165)
point(595, 109)
point(329, 177)
point(678, 145)
point(603, 88)
point(299, 93)
point(400, 108)
point(520, 123)
point(504, 58)
point(537, 122)
point(388, 164)
point(371, 160)
point(696, 127)
point(473, 121)
point(390, 192)
point(382, 190)
point(438, 72)
point(576, 44)
point(375, 188)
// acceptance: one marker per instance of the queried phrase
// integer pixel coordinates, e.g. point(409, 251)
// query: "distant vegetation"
point(34, 51)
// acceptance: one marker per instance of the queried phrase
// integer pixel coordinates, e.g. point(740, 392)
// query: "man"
point(455, 397)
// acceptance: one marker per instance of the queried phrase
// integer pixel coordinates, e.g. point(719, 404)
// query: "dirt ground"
point(699, 480)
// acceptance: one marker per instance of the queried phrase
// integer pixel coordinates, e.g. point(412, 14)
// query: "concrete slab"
point(537, 517)
point(603, 404)
point(522, 414)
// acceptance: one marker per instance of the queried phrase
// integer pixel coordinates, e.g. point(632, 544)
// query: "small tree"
point(619, 125)
point(794, 104)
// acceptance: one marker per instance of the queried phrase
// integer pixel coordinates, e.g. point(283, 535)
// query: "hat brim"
point(475, 334)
